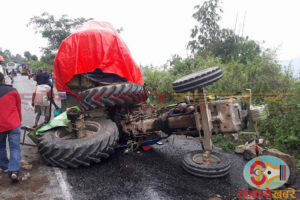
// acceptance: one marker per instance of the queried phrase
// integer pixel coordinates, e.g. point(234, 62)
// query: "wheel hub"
point(200, 159)
point(88, 129)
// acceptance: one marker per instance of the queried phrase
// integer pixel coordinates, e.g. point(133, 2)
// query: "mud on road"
point(32, 186)
point(36, 182)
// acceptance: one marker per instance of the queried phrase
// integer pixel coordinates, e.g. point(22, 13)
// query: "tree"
point(9, 57)
point(7, 53)
point(48, 58)
point(34, 58)
point(18, 59)
point(209, 39)
point(37, 65)
point(54, 30)
point(27, 55)
point(204, 34)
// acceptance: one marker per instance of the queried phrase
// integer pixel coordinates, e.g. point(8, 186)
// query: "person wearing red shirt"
point(10, 122)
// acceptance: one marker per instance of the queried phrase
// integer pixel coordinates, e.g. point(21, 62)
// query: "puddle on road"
point(27, 189)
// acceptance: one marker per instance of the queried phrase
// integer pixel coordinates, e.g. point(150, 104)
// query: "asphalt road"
point(153, 174)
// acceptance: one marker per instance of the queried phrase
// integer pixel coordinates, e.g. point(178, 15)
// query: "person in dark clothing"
point(38, 77)
point(10, 122)
point(42, 77)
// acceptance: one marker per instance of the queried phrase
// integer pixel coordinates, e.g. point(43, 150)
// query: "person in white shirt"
point(41, 102)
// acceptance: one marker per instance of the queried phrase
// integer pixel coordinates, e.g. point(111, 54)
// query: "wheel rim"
point(89, 129)
point(198, 159)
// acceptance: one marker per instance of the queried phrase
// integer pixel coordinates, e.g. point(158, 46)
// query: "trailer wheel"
point(113, 95)
point(197, 80)
point(219, 165)
point(60, 148)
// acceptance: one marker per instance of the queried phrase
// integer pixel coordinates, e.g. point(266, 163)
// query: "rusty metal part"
point(187, 132)
point(197, 122)
point(205, 121)
point(76, 121)
point(185, 119)
point(140, 120)
point(180, 122)
point(222, 116)
point(96, 113)
point(79, 123)
point(140, 126)
point(87, 129)
point(206, 159)
point(80, 81)
point(229, 116)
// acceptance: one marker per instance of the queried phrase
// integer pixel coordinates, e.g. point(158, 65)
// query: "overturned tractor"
point(105, 107)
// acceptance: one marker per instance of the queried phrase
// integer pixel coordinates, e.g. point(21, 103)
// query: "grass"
point(225, 142)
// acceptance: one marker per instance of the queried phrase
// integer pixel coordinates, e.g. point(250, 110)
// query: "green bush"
point(282, 127)
point(225, 142)
point(37, 65)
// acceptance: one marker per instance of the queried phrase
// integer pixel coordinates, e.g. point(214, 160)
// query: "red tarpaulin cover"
point(94, 45)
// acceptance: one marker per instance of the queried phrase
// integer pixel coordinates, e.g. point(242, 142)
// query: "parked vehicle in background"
point(11, 66)
point(8, 80)
point(18, 68)
point(25, 70)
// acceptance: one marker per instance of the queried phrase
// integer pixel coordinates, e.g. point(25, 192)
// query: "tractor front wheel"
point(218, 166)
point(197, 80)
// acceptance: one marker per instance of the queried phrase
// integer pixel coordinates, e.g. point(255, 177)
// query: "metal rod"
point(23, 141)
point(24, 136)
point(206, 122)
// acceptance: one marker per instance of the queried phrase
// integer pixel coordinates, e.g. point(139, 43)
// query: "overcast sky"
point(154, 30)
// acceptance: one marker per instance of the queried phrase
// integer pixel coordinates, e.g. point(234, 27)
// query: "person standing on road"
point(41, 102)
point(10, 122)
point(42, 77)
point(39, 77)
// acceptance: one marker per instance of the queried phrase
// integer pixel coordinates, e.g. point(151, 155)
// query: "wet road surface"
point(153, 174)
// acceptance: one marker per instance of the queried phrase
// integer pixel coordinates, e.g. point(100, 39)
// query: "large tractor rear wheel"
point(96, 141)
point(113, 95)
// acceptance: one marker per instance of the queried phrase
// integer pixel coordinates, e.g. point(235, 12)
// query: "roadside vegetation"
point(245, 63)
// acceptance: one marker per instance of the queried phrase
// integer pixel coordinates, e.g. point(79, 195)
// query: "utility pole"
point(236, 18)
point(244, 23)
